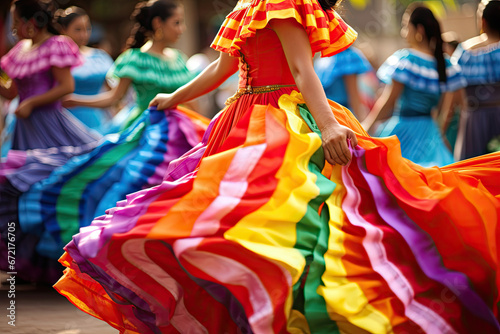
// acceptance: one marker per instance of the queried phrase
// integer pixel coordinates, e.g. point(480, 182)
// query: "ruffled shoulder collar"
point(140, 58)
point(24, 60)
point(493, 47)
point(327, 32)
point(480, 65)
point(419, 71)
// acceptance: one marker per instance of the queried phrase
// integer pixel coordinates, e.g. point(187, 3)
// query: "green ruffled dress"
point(150, 74)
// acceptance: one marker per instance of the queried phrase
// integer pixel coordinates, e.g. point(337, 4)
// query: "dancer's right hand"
point(162, 101)
point(24, 109)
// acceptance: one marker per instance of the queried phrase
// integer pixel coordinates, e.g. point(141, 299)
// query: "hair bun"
point(41, 11)
point(64, 17)
point(144, 14)
point(49, 7)
point(141, 15)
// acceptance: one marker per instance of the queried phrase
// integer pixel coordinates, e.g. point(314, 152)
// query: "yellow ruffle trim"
point(327, 32)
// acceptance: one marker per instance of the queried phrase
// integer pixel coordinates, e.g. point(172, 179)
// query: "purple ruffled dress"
point(46, 139)
point(50, 135)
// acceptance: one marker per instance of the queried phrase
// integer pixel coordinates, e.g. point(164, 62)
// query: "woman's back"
point(481, 69)
point(418, 72)
point(264, 62)
point(480, 65)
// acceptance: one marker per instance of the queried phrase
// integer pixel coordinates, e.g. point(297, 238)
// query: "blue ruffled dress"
point(421, 140)
point(330, 71)
point(89, 80)
point(481, 122)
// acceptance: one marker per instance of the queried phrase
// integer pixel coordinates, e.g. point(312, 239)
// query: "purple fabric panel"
point(49, 127)
point(38, 164)
point(120, 219)
point(187, 163)
point(187, 127)
point(181, 135)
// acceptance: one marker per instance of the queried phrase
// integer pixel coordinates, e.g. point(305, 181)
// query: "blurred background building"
point(377, 22)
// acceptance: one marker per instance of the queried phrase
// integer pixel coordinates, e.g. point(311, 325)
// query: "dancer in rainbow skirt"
point(257, 233)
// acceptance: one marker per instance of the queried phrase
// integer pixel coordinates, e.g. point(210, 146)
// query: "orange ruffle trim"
point(327, 32)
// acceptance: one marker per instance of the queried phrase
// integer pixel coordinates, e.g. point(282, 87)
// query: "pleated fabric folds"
point(264, 237)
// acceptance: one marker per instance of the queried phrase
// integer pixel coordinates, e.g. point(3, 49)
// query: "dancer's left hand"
point(24, 109)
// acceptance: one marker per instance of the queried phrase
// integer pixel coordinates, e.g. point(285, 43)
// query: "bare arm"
point(298, 53)
point(8, 89)
point(450, 101)
point(351, 84)
point(212, 77)
point(102, 100)
point(385, 104)
point(65, 85)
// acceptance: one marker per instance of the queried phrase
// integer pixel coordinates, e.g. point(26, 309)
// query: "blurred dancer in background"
point(150, 65)
point(479, 58)
point(339, 75)
point(90, 77)
point(40, 68)
point(416, 78)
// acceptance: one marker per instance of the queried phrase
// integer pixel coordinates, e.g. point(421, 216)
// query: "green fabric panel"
point(312, 242)
point(132, 117)
point(67, 208)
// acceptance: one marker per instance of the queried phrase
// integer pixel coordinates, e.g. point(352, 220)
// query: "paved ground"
point(41, 310)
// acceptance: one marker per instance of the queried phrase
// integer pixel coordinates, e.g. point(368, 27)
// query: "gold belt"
point(254, 90)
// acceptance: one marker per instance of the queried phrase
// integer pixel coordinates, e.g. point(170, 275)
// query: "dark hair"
point(423, 16)
point(64, 17)
point(41, 11)
point(491, 14)
point(329, 4)
point(143, 15)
